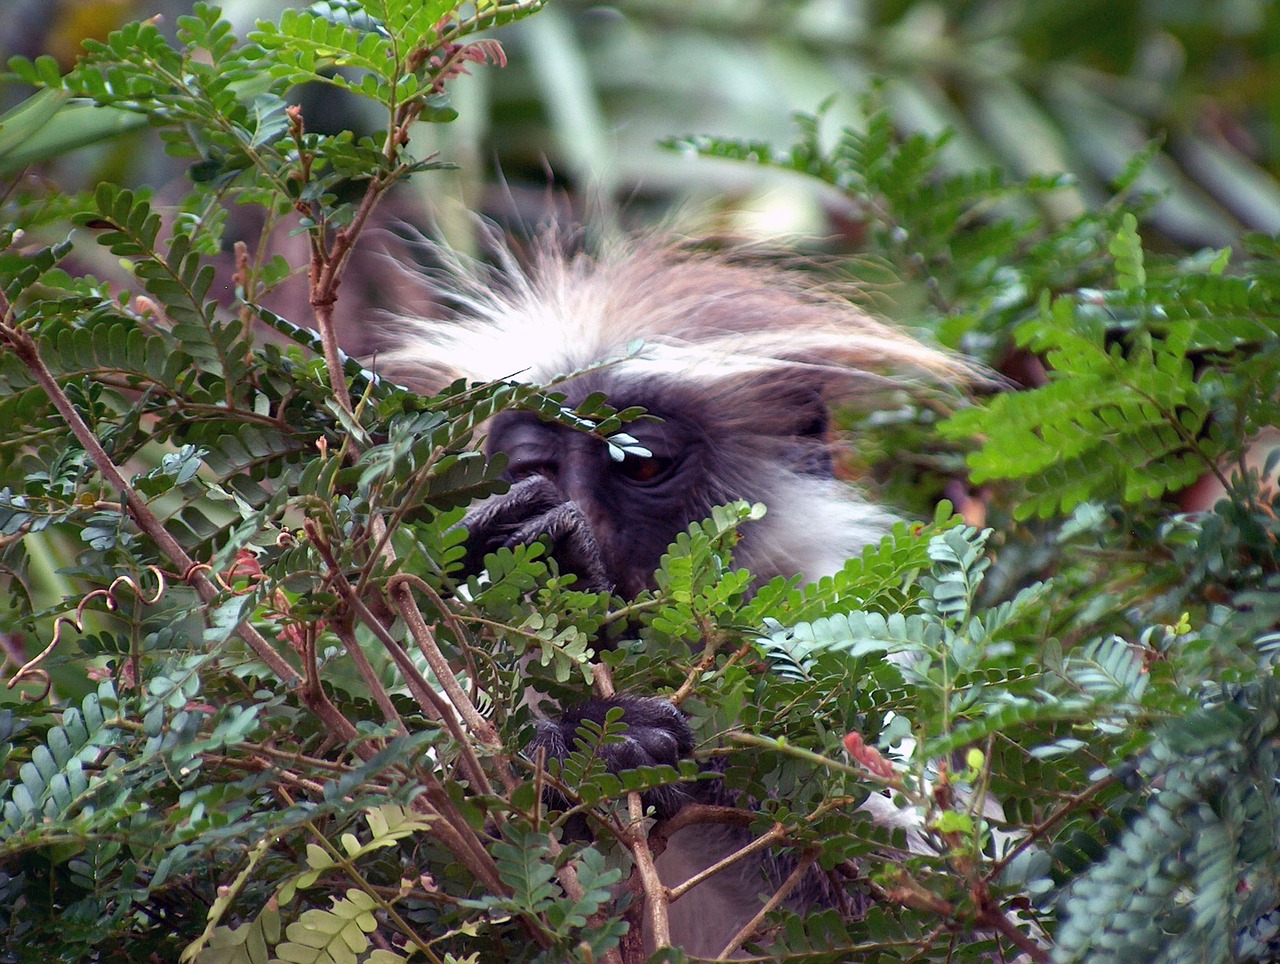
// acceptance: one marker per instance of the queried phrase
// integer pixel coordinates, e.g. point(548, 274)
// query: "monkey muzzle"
point(532, 510)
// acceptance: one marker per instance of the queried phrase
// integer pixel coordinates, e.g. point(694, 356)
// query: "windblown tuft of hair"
point(705, 317)
point(753, 342)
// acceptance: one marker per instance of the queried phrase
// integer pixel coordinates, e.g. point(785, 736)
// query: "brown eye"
point(645, 471)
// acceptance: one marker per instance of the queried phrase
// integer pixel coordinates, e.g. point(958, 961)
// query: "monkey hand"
point(657, 733)
point(533, 509)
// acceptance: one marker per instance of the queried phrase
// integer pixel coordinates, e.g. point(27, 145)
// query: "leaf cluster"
point(264, 713)
point(1115, 666)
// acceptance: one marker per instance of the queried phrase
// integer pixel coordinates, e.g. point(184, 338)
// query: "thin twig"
point(25, 349)
point(1039, 830)
point(371, 681)
point(779, 895)
point(430, 701)
point(398, 589)
point(771, 836)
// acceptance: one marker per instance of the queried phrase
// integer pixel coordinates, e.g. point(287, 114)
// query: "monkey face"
point(609, 521)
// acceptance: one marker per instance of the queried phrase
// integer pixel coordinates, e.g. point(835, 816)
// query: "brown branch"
point(782, 893)
point(326, 274)
point(256, 764)
point(693, 814)
point(655, 894)
point(371, 681)
point(1039, 830)
point(422, 691)
point(25, 349)
point(459, 633)
point(430, 701)
point(602, 681)
point(995, 918)
point(398, 588)
point(773, 835)
point(707, 660)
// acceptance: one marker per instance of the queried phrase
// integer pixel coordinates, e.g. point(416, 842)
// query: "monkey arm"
point(530, 511)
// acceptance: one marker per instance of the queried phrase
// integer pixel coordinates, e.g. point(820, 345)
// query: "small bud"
point(868, 756)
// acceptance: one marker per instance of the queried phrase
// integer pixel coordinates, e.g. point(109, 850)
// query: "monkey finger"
point(572, 543)
point(490, 524)
point(657, 734)
point(527, 498)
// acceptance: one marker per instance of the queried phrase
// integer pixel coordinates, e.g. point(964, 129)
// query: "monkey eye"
point(645, 471)
point(519, 470)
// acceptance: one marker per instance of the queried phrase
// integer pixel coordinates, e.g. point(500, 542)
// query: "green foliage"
point(255, 715)
point(1144, 391)
point(1116, 701)
point(1027, 88)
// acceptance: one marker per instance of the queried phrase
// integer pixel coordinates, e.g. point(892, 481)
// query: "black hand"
point(657, 734)
point(491, 523)
point(533, 510)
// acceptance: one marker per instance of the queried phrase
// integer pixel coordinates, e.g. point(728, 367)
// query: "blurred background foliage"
point(576, 123)
point(592, 89)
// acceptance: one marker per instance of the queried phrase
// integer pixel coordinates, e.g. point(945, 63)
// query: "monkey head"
point(737, 362)
point(609, 520)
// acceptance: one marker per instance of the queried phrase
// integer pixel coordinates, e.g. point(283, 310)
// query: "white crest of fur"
point(667, 310)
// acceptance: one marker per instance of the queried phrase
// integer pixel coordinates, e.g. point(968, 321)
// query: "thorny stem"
point(326, 271)
point(635, 837)
point(697, 813)
point(431, 702)
point(328, 260)
point(990, 915)
point(451, 620)
point(427, 697)
point(327, 263)
point(256, 764)
point(909, 892)
point(711, 646)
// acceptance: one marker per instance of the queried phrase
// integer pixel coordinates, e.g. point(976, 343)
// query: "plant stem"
point(25, 349)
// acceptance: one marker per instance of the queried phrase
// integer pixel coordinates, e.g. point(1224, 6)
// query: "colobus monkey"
point(741, 362)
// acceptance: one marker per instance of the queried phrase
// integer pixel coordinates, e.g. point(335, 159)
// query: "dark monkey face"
point(609, 521)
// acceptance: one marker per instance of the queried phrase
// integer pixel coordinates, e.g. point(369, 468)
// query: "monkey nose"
point(577, 486)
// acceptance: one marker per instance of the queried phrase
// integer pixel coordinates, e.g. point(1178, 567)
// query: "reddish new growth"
point(453, 58)
point(293, 631)
point(868, 756)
